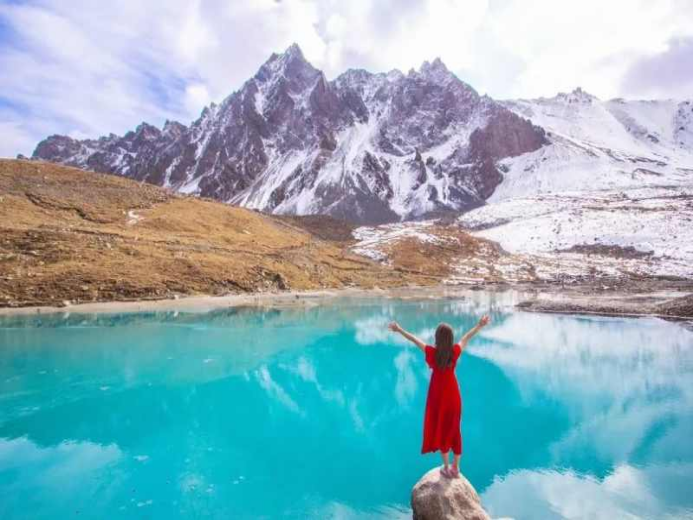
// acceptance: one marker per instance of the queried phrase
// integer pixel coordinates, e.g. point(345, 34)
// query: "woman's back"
point(431, 361)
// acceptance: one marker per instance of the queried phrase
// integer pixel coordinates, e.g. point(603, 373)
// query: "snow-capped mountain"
point(601, 145)
point(385, 147)
point(366, 147)
point(609, 197)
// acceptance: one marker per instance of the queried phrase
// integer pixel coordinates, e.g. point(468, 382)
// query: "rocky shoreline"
point(673, 301)
point(677, 308)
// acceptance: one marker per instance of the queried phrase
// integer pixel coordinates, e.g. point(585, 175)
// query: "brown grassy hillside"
point(67, 234)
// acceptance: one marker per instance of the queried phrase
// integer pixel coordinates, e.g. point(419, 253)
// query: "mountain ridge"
point(290, 141)
point(381, 147)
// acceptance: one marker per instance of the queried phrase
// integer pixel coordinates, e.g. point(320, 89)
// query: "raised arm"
point(394, 327)
point(471, 332)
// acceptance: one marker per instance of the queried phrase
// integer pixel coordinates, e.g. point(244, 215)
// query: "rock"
point(680, 307)
point(436, 497)
point(281, 282)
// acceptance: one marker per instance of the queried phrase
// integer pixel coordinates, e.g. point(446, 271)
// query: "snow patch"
point(374, 241)
point(655, 224)
point(133, 218)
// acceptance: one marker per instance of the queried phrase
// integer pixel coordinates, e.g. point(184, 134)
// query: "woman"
point(443, 403)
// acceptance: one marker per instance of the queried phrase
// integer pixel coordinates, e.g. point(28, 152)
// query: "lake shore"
point(75, 241)
point(673, 300)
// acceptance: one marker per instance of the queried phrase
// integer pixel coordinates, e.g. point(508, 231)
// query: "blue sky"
point(87, 68)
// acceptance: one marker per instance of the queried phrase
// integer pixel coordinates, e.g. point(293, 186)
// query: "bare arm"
point(394, 327)
point(471, 332)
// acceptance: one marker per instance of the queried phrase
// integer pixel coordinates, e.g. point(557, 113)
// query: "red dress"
point(443, 406)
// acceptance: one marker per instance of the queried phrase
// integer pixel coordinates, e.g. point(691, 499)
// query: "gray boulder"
point(436, 497)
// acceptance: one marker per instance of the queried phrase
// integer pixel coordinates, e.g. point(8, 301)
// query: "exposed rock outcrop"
point(436, 497)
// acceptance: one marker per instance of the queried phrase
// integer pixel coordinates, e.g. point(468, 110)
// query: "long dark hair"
point(444, 342)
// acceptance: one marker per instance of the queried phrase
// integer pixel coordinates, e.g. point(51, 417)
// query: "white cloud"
point(196, 97)
point(90, 68)
point(68, 470)
point(406, 385)
point(588, 44)
point(14, 137)
point(275, 390)
point(606, 372)
point(629, 492)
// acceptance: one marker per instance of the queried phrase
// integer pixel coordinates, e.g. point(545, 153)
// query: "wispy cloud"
point(88, 68)
point(669, 71)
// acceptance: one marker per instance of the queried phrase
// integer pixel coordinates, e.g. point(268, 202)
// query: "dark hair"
point(444, 342)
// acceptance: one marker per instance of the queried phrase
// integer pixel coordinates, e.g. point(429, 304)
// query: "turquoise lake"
point(317, 412)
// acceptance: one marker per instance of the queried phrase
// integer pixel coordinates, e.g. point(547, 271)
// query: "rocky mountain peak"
point(291, 65)
point(173, 128)
point(294, 51)
point(576, 96)
point(435, 68)
point(365, 147)
point(147, 131)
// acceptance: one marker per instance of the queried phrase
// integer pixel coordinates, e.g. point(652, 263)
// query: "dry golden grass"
point(438, 259)
point(67, 234)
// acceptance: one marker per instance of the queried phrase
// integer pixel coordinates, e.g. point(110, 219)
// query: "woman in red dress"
point(444, 403)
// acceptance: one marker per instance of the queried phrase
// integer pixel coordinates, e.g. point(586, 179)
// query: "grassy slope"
point(67, 234)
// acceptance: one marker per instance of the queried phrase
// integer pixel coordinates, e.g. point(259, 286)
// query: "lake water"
point(317, 413)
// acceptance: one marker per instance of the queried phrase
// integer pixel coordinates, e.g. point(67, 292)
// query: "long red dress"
point(443, 406)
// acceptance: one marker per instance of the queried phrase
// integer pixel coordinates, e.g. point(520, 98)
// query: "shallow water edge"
point(587, 299)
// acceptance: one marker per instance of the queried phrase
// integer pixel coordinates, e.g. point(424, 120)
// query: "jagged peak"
point(292, 59)
point(172, 124)
point(173, 127)
point(355, 73)
point(436, 66)
point(577, 96)
point(106, 138)
point(394, 74)
point(294, 51)
point(434, 70)
point(361, 74)
point(209, 111)
point(145, 127)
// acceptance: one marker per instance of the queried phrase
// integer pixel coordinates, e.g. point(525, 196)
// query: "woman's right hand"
point(485, 320)
point(394, 327)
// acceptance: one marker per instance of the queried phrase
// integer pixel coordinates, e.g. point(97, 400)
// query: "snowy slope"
point(567, 238)
point(612, 195)
point(647, 230)
point(599, 145)
point(609, 196)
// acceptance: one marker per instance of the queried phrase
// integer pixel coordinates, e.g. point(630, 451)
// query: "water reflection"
point(628, 386)
point(654, 492)
point(614, 376)
point(316, 412)
point(45, 481)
